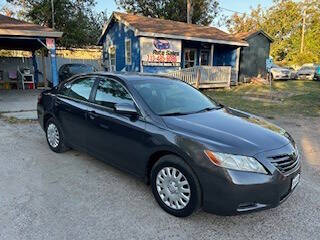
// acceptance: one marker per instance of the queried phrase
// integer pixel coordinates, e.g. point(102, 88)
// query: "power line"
point(229, 10)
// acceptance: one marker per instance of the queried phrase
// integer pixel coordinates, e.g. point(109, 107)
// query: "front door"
point(204, 57)
point(116, 138)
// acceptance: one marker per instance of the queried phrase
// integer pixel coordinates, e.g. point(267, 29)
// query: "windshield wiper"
point(207, 109)
point(173, 114)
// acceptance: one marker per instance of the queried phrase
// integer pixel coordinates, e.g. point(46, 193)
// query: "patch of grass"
point(14, 120)
point(293, 97)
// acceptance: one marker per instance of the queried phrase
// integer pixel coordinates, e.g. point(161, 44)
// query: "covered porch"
point(215, 62)
point(24, 36)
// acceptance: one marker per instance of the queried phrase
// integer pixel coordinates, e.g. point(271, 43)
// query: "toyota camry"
point(193, 151)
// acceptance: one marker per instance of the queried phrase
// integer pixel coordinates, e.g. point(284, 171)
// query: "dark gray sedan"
point(192, 150)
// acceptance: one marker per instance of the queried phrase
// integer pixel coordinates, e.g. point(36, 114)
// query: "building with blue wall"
point(142, 44)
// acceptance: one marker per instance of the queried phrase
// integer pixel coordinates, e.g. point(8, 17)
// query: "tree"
point(283, 22)
point(203, 11)
point(245, 22)
point(76, 18)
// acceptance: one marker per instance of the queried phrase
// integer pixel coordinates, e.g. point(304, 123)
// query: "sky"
point(234, 5)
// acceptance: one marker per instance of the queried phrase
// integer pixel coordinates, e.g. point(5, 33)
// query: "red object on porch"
point(30, 86)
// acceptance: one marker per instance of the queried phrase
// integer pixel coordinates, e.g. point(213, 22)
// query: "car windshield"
point(307, 68)
point(172, 97)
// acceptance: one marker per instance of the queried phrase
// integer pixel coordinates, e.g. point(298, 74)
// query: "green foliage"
point(283, 22)
point(80, 24)
point(204, 11)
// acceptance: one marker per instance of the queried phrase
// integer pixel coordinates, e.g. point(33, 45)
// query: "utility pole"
point(303, 30)
point(52, 14)
point(188, 11)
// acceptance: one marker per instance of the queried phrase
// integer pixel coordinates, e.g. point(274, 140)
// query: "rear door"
point(116, 138)
point(71, 109)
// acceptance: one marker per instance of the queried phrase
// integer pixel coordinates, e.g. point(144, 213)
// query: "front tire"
point(55, 137)
point(175, 186)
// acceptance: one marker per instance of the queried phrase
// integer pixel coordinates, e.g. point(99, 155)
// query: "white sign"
point(269, 63)
point(50, 43)
point(160, 52)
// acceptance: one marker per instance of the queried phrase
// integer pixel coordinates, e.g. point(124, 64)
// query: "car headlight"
point(236, 162)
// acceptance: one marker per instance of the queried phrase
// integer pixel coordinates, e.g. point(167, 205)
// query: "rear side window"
point(79, 89)
point(110, 92)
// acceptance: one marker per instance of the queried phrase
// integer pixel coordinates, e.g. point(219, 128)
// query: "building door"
point(204, 57)
point(190, 56)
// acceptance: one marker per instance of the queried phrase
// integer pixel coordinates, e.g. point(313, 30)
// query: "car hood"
point(280, 69)
point(230, 131)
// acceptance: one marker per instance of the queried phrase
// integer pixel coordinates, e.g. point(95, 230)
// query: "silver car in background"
point(280, 73)
point(306, 73)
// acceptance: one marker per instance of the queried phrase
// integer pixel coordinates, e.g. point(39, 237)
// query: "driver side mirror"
point(126, 108)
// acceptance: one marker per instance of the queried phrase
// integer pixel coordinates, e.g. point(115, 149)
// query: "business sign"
point(50, 43)
point(160, 52)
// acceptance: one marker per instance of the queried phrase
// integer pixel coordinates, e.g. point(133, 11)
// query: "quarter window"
point(110, 92)
point(79, 89)
point(128, 51)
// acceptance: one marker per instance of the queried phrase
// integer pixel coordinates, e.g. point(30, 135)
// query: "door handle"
point(92, 115)
point(57, 102)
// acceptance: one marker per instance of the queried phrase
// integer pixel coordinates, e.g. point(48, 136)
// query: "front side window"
point(128, 51)
point(79, 89)
point(110, 92)
point(190, 56)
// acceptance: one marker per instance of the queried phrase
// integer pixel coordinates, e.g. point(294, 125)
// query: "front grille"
point(285, 162)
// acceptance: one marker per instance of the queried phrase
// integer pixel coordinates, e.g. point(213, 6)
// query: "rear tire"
point(55, 136)
point(175, 187)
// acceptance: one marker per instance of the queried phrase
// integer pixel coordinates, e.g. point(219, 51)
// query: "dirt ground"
point(44, 195)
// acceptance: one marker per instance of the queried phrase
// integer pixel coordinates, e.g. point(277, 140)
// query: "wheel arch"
point(46, 117)
point(157, 154)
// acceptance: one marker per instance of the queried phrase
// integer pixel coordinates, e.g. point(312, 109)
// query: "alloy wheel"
point(53, 135)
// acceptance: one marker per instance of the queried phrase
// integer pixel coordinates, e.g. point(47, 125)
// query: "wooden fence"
point(204, 76)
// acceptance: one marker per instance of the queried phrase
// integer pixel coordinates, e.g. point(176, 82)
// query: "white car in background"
point(280, 73)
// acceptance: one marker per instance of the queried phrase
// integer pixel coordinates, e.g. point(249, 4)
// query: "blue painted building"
point(142, 44)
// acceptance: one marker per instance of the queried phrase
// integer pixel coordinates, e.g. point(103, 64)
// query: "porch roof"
point(20, 35)
point(155, 27)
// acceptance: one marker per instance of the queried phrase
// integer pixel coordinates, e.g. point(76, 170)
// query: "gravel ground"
point(44, 195)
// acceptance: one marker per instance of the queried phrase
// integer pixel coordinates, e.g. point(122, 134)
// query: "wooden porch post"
point(211, 54)
point(237, 66)
point(44, 68)
point(198, 78)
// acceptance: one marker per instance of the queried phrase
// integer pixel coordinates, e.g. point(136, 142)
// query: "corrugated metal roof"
point(14, 27)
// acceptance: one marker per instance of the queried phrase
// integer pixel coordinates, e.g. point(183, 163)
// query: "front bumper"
point(229, 192)
point(280, 76)
point(307, 77)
